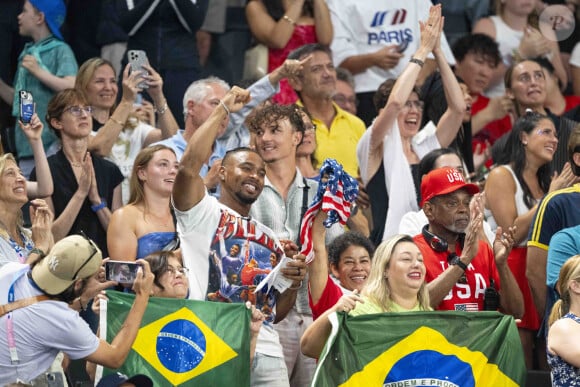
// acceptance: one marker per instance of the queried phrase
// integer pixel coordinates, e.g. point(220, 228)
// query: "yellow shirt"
point(340, 140)
point(370, 307)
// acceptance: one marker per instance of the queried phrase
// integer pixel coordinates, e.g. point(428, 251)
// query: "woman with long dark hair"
point(513, 191)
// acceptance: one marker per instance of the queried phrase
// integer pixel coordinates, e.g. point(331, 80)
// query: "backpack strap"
point(7, 308)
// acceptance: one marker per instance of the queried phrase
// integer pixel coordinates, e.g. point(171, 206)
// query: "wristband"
point(38, 251)
point(100, 206)
point(417, 61)
point(163, 109)
point(458, 262)
point(225, 107)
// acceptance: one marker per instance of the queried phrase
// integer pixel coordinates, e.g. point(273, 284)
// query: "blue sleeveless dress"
point(563, 373)
point(152, 242)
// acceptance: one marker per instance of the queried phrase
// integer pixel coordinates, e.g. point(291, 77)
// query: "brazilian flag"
point(184, 342)
point(422, 349)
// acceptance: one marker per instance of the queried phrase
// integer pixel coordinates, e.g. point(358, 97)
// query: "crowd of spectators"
point(460, 122)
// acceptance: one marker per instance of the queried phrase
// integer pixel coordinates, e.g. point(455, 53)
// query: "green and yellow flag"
point(422, 349)
point(185, 342)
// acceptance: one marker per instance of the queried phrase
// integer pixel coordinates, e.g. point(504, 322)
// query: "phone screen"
point(121, 271)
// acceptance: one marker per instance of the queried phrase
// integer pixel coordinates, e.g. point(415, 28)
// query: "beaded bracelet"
point(163, 109)
point(417, 61)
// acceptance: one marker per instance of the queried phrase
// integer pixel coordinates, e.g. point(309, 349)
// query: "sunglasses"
point(94, 251)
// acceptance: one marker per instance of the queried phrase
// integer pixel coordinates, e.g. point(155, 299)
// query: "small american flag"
point(334, 196)
point(469, 307)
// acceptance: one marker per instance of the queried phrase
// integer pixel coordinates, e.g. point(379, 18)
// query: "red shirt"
point(493, 130)
point(330, 296)
point(468, 296)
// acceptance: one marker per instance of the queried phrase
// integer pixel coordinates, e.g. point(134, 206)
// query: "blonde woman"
point(396, 284)
point(564, 323)
point(145, 225)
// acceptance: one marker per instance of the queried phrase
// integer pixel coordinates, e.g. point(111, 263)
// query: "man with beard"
point(463, 272)
point(203, 221)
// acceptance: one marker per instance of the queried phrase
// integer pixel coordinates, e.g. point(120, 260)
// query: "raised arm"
point(404, 85)
point(165, 118)
point(189, 188)
point(113, 355)
point(318, 268)
point(102, 143)
point(43, 187)
point(272, 33)
point(322, 22)
point(439, 288)
point(500, 191)
point(63, 223)
point(451, 120)
point(41, 218)
point(511, 298)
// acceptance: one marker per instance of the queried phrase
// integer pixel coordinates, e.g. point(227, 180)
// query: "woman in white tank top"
point(512, 193)
point(515, 29)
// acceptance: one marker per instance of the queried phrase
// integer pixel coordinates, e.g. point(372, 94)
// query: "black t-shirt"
point(108, 177)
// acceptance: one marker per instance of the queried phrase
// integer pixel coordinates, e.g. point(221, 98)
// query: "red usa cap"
point(442, 181)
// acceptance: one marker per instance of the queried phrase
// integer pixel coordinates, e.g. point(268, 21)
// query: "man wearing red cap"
point(463, 272)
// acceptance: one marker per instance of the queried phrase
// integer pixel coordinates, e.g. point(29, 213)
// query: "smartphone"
point(121, 271)
point(403, 46)
point(26, 106)
point(138, 58)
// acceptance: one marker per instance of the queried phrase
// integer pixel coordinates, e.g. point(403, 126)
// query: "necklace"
point(76, 165)
point(21, 251)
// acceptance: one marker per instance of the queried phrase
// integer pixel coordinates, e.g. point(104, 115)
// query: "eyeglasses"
point(94, 251)
point(419, 105)
point(312, 127)
point(174, 270)
point(77, 111)
point(343, 99)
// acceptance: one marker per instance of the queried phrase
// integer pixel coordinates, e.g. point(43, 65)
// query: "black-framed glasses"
point(77, 111)
point(463, 279)
point(94, 250)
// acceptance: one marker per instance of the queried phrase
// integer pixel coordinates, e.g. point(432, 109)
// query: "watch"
point(457, 261)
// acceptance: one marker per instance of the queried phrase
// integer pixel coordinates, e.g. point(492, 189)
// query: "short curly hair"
point(275, 112)
point(344, 241)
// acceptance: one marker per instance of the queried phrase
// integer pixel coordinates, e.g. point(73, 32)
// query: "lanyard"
point(9, 323)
